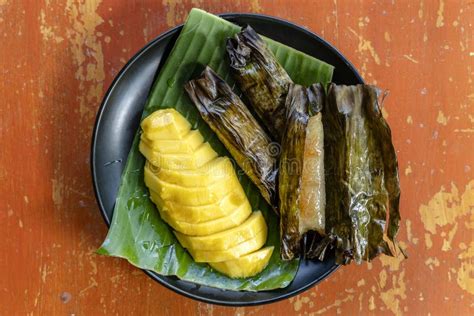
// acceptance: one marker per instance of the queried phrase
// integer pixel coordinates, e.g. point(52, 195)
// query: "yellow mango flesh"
point(235, 252)
point(225, 239)
point(211, 172)
point(203, 213)
point(245, 266)
point(199, 195)
point(195, 196)
point(234, 219)
point(187, 145)
point(165, 124)
point(197, 159)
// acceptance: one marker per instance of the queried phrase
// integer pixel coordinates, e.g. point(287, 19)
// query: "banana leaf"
point(137, 233)
point(237, 129)
point(362, 184)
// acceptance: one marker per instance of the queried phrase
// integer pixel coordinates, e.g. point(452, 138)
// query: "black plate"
point(119, 116)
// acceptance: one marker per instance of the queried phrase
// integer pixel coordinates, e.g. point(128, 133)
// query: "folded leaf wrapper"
point(237, 129)
point(137, 233)
point(301, 178)
point(263, 80)
point(362, 184)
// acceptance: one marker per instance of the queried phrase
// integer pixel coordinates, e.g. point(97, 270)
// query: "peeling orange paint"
point(47, 30)
point(44, 273)
point(410, 58)
point(205, 309)
point(432, 262)
point(440, 18)
point(57, 191)
point(175, 12)
point(170, 14)
point(255, 6)
point(448, 241)
point(445, 207)
point(464, 130)
point(82, 37)
point(442, 119)
point(239, 311)
point(465, 273)
point(442, 210)
point(408, 170)
point(92, 283)
point(393, 297)
point(366, 45)
point(393, 263)
point(300, 301)
point(409, 230)
point(420, 11)
point(383, 278)
point(372, 305)
point(336, 304)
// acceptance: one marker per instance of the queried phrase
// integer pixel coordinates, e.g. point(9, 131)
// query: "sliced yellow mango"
point(235, 252)
point(199, 195)
point(227, 238)
point(187, 145)
point(194, 196)
point(210, 227)
point(199, 214)
point(197, 159)
point(165, 124)
point(245, 266)
point(214, 171)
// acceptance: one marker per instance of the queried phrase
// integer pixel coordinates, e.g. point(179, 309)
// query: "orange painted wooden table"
point(57, 58)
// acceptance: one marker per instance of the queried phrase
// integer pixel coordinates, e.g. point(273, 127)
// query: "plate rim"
point(155, 276)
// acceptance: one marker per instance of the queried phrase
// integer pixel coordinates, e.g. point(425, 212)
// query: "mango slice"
point(211, 227)
point(235, 252)
point(165, 124)
point(197, 159)
point(199, 214)
point(245, 266)
point(211, 172)
point(196, 196)
point(227, 238)
point(187, 145)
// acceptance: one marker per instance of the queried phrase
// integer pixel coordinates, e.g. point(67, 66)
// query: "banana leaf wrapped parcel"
point(301, 178)
point(261, 78)
point(362, 183)
point(237, 129)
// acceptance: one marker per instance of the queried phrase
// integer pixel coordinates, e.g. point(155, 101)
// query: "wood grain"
point(57, 59)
